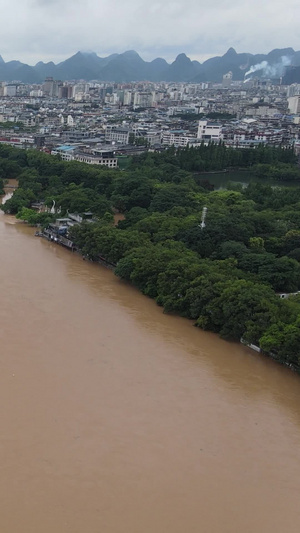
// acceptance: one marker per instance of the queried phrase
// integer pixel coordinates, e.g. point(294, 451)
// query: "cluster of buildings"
point(100, 123)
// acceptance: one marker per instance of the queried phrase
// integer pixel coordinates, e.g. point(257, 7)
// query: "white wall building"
point(209, 131)
point(66, 153)
point(118, 135)
point(262, 110)
point(294, 104)
point(92, 159)
point(153, 137)
point(293, 90)
point(10, 90)
point(177, 138)
point(143, 99)
point(36, 93)
point(127, 98)
point(73, 153)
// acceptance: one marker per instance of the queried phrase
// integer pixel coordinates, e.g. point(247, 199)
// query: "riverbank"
point(217, 258)
point(57, 239)
point(110, 235)
point(114, 414)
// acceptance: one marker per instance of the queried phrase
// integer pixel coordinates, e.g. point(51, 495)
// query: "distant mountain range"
point(129, 66)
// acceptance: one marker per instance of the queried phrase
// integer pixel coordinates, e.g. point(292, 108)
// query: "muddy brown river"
point(116, 418)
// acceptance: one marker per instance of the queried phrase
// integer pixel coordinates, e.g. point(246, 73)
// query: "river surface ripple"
point(116, 418)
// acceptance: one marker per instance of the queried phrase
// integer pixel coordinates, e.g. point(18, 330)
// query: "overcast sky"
point(33, 30)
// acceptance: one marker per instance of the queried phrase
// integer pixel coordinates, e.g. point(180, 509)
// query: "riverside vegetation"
point(225, 276)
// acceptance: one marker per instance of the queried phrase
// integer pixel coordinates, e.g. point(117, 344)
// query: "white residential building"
point(153, 137)
point(118, 135)
point(262, 110)
point(209, 131)
point(66, 153)
point(294, 104)
point(293, 90)
point(177, 138)
point(36, 93)
point(143, 99)
point(73, 153)
point(94, 159)
point(10, 90)
point(127, 98)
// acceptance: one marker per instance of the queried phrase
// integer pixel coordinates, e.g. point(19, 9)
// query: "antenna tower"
point(204, 213)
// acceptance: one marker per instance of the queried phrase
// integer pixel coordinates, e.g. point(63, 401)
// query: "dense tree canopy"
point(224, 275)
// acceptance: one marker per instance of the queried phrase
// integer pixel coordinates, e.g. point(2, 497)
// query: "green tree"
point(240, 304)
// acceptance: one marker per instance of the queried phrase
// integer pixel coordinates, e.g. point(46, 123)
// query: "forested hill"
point(129, 66)
point(224, 276)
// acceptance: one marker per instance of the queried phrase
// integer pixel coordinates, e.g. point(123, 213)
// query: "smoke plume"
point(270, 71)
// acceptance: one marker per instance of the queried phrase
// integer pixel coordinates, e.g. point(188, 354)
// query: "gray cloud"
point(54, 29)
point(44, 2)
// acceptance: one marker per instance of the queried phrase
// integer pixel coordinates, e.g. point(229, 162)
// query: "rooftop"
point(65, 148)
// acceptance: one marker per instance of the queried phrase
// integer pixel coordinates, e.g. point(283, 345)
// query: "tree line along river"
point(116, 417)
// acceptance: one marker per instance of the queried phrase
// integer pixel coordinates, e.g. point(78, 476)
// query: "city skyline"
point(49, 30)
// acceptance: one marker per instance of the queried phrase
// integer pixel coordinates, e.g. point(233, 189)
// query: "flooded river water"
point(116, 418)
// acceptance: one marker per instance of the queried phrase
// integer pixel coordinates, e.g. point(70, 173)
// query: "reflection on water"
point(116, 417)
